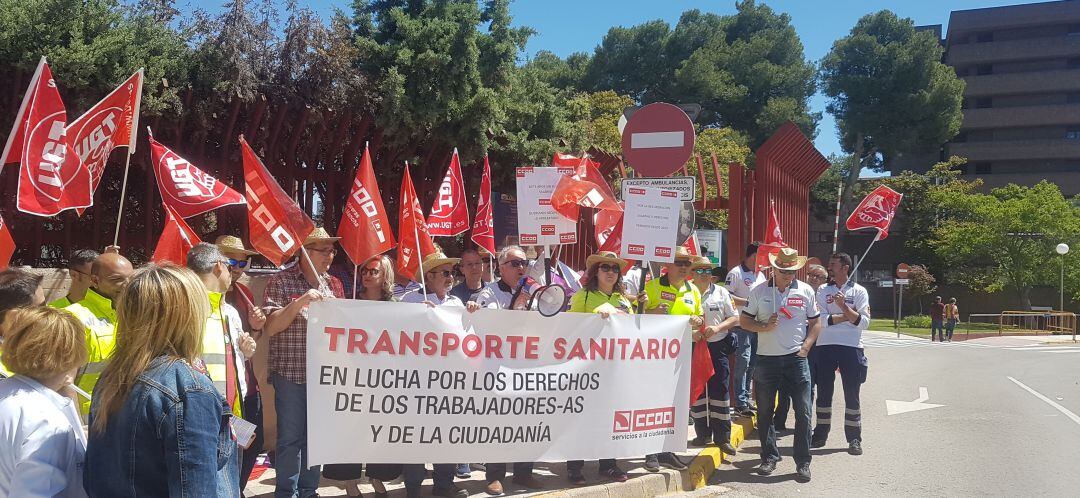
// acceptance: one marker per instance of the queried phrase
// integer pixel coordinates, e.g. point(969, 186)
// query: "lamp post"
point(1062, 249)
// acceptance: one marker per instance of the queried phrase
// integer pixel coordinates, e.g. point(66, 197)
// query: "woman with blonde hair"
point(42, 445)
point(154, 400)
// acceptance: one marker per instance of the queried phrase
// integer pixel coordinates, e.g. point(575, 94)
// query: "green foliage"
point(915, 322)
point(596, 117)
point(922, 284)
point(730, 147)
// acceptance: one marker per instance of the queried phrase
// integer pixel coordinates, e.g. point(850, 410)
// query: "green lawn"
point(886, 325)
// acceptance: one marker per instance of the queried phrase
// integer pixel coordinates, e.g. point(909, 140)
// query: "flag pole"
point(356, 271)
point(836, 225)
point(420, 267)
point(325, 289)
point(851, 276)
point(123, 193)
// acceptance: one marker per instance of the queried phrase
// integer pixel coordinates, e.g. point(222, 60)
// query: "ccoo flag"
point(277, 227)
point(449, 213)
point(876, 211)
point(412, 231)
point(111, 123)
point(7, 244)
point(586, 186)
point(185, 188)
point(177, 238)
point(774, 240)
point(365, 227)
point(483, 229)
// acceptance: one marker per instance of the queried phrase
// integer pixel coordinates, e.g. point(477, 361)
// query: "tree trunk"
point(1025, 298)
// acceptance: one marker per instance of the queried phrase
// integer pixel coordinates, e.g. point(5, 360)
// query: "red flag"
point(701, 369)
point(111, 123)
point(774, 240)
point(876, 211)
point(51, 177)
point(691, 245)
point(585, 187)
point(176, 239)
point(483, 229)
point(608, 226)
point(277, 227)
point(449, 214)
point(365, 227)
point(7, 244)
point(411, 228)
point(187, 189)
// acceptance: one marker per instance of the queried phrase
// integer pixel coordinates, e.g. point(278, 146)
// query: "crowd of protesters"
point(165, 352)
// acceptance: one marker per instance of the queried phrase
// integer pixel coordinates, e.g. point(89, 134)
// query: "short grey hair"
point(816, 267)
point(505, 252)
point(202, 258)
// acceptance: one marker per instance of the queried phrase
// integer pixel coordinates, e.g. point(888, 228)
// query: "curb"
point(665, 481)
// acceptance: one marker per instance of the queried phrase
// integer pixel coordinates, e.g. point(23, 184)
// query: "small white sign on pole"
point(902, 281)
point(711, 241)
point(650, 224)
point(538, 222)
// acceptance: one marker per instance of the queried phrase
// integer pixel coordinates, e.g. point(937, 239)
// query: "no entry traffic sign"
point(658, 140)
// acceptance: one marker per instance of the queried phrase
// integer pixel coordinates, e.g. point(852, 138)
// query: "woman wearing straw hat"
point(711, 412)
point(784, 315)
point(602, 293)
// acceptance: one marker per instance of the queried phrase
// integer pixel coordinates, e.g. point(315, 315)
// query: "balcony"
point(1013, 150)
point(1016, 50)
point(1068, 182)
point(1016, 117)
point(1063, 81)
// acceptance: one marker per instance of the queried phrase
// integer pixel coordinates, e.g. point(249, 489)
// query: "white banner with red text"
point(407, 383)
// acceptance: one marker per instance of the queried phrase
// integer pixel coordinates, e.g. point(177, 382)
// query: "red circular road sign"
point(902, 270)
point(658, 140)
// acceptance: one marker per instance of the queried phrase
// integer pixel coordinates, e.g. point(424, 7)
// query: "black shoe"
point(746, 412)
point(766, 468)
point(412, 493)
point(855, 447)
point(700, 441)
point(671, 461)
point(817, 442)
point(451, 491)
point(802, 472)
point(615, 474)
point(576, 478)
point(726, 447)
point(651, 464)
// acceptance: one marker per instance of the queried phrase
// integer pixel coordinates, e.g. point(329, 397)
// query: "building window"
point(984, 69)
point(1073, 98)
point(1072, 133)
point(962, 168)
point(984, 37)
point(982, 169)
point(960, 138)
point(984, 102)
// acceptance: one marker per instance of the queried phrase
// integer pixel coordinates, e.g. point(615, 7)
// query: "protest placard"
point(538, 222)
point(650, 224)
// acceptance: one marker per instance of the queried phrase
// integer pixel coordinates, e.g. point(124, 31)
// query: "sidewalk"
point(642, 484)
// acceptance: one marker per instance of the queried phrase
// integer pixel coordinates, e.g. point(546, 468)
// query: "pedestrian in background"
point(952, 316)
point(937, 320)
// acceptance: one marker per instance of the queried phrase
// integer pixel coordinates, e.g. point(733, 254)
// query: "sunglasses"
point(517, 263)
point(683, 263)
point(787, 272)
point(237, 264)
point(370, 271)
point(445, 273)
point(703, 271)
point(609, 268)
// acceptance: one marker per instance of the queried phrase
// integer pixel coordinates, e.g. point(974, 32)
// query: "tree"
point(890, 92)
point(1005, 240)
point(921, 283)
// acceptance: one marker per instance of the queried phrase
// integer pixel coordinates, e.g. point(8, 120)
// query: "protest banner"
point(405, 383)
point(650, 224)
point(538, 222)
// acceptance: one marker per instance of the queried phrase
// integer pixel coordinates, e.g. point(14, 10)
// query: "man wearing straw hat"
point(711, 413)
point(288, 294)
point(784, 315)
point(439, 277)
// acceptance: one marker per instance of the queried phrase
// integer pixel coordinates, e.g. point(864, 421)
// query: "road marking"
point(1063, 351)
point(1043, 348)
point(1072, 416)
point(657, 139)
point(893, 407)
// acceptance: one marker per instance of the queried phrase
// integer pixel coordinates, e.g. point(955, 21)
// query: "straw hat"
point(435, 260)
point(699, 262)
point(232, 244)
point(320, 235)
point(606, 257)
point(787, 259)
point(682, 253)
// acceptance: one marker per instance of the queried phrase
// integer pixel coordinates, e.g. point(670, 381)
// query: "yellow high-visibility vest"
point(98, 316)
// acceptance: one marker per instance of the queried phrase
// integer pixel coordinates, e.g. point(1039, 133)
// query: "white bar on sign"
point(656, 140)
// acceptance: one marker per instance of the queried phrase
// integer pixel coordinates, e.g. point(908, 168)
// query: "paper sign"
point(650, 224)
point(686, 186)
point(538, 222)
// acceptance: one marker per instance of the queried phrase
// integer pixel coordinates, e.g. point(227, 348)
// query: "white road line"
point(1041, 348)
point(1072, 416)
point(1063, 351)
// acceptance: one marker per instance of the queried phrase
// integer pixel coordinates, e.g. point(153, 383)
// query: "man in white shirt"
point(711, 411)
point(497, 295)
point(740, 280)
point(784, 315)
point(439, 278)
point(846, 308)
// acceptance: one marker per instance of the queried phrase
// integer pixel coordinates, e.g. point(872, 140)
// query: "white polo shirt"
point(844, 333)
point(496, 295)
point(418, 297)
point(717, 305)
point(42, 446)
point(741, 281)
point(800, 302)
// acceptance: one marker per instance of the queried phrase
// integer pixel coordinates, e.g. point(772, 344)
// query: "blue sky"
point(568, 26)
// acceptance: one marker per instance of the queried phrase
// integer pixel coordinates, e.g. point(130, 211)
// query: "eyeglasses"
point(684, 263)
point(329, 251)
point(817, 276)
point(703, 271)
point(610, 268)
point(517, 263)
point(787, 272)
point(370, 271)
point(238, 264)
point(445, 273)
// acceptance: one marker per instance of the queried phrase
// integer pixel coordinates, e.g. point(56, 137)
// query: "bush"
point(916, 322)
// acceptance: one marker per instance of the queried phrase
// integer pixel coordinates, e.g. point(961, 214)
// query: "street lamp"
point(1062, 249)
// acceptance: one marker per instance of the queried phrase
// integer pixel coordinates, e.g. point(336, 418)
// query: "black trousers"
point(853, 368)
point(253, 414)
point(712, 411)
point(497, 471)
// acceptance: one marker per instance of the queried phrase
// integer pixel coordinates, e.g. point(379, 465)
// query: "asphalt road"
point(992, 437)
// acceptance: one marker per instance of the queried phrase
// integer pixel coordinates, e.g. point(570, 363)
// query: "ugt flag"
point(187, 189)
point(449, 214)
point(51, 177)
point(365, 227)
point(111, 123)
point(774, 240)
point(277, 227)
point(412, 231)
point(876, 211)
point(177, 238)
point(483, 229)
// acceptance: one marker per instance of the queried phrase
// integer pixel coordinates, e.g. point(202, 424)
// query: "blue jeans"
point(442, 475)
point(294, 477)
point(792, 374)
point(741, 373)
point(937, 330)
